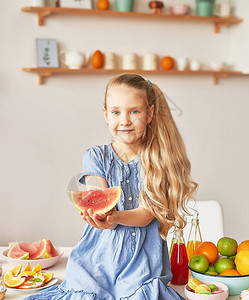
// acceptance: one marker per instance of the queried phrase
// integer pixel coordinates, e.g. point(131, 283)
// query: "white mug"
point(195, 65)
point(129, 61)
point(223, 10)
point(182, 63)
point(37, 2)
point(150, 61)
point(217, 65)
point(110, 61)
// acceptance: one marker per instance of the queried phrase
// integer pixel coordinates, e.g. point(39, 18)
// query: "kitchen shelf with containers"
point(75, 62)
point(43, 12)
point(151, 64)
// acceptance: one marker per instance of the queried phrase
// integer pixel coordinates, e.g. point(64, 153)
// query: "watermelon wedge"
point(100, 201)
point(30, 248)
point(16, 252)
point(40, 246)
point(50, 250)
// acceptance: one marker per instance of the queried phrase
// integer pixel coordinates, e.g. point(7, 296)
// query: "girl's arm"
point(138, 217)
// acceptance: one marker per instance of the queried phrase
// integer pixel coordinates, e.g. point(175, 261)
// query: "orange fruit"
point(167, 62)
point(12, 281)
point(243, 246)
point(209, 250)
point(27, 267)
point(16, 270)
point(97, 60)
point(27, 273)
point(103, 4)
point(242, 262)
point(48, 276)
point(37, 268)
point(229, 272)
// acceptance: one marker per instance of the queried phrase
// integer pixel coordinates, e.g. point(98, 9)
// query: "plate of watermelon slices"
point(41, 251)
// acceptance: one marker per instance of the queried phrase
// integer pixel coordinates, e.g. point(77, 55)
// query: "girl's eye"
point(135, 112)
point(114, 112)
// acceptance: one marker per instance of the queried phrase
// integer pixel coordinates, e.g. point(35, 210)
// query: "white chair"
point(210, 221)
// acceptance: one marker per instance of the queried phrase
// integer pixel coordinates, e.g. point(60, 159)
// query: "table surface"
point(59, 270)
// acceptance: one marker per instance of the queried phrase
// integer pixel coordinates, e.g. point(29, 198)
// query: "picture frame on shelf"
point(47, 53)
point(85, 4)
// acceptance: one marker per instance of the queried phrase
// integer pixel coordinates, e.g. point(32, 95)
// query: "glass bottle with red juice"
point(179, 260)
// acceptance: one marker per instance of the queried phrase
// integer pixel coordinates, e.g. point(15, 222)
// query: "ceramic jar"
point(74, 59)
point(217, 65)
point(182, 63)
point(37, 2)
point(150, 61)
point(129, 61)
point(195, 65)
point(110, 61)
point(222, 10)
point(124, 5)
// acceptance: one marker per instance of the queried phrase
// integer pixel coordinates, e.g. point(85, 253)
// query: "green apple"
point(227, 246)
point(223, 264)
point(211, 271)
point(199, 263)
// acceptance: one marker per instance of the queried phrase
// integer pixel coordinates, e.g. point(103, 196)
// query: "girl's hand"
point(100, 221)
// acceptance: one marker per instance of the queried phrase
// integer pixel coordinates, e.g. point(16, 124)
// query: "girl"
point(123, 255)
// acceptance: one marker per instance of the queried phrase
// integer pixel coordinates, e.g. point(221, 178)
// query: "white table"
point(59, 270)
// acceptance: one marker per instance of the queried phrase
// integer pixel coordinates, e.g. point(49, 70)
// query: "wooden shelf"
point(46, 72)
point(43, 12)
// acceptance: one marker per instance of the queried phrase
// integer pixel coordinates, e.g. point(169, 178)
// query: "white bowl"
point(179, 9)
point(195, 296)
point(45, 263)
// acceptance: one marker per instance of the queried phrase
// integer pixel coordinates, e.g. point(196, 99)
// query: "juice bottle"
point(172, 244)
point(179, 260)
point(194, 238)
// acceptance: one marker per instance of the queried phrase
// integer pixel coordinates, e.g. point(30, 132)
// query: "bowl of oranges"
point(227, 263)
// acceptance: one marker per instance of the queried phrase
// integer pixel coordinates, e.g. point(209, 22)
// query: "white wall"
point(45, 129)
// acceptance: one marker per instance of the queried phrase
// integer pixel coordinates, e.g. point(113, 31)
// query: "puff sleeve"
point(93, 164)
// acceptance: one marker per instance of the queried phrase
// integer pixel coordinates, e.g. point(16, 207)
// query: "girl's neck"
point(125, 152)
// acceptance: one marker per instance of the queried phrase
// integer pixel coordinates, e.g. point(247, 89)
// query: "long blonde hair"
point(167, 183)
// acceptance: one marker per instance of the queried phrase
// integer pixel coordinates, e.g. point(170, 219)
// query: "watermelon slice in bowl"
point(41, 251)
point(100, 201)
point(45, 263)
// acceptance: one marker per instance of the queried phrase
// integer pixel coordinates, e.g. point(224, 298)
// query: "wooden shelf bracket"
point(42, 15)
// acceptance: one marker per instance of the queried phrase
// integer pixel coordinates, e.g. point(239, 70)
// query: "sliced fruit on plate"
point(29, 273)
point(37, 268)
point(100, 201)
point(48, 276)
point(16, 252)
point(26, 279)
point(33, 282)
point(16, 270)
point(27, 267)
point(13, 281)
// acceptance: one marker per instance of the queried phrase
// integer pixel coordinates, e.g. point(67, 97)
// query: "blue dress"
point(128, 263)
